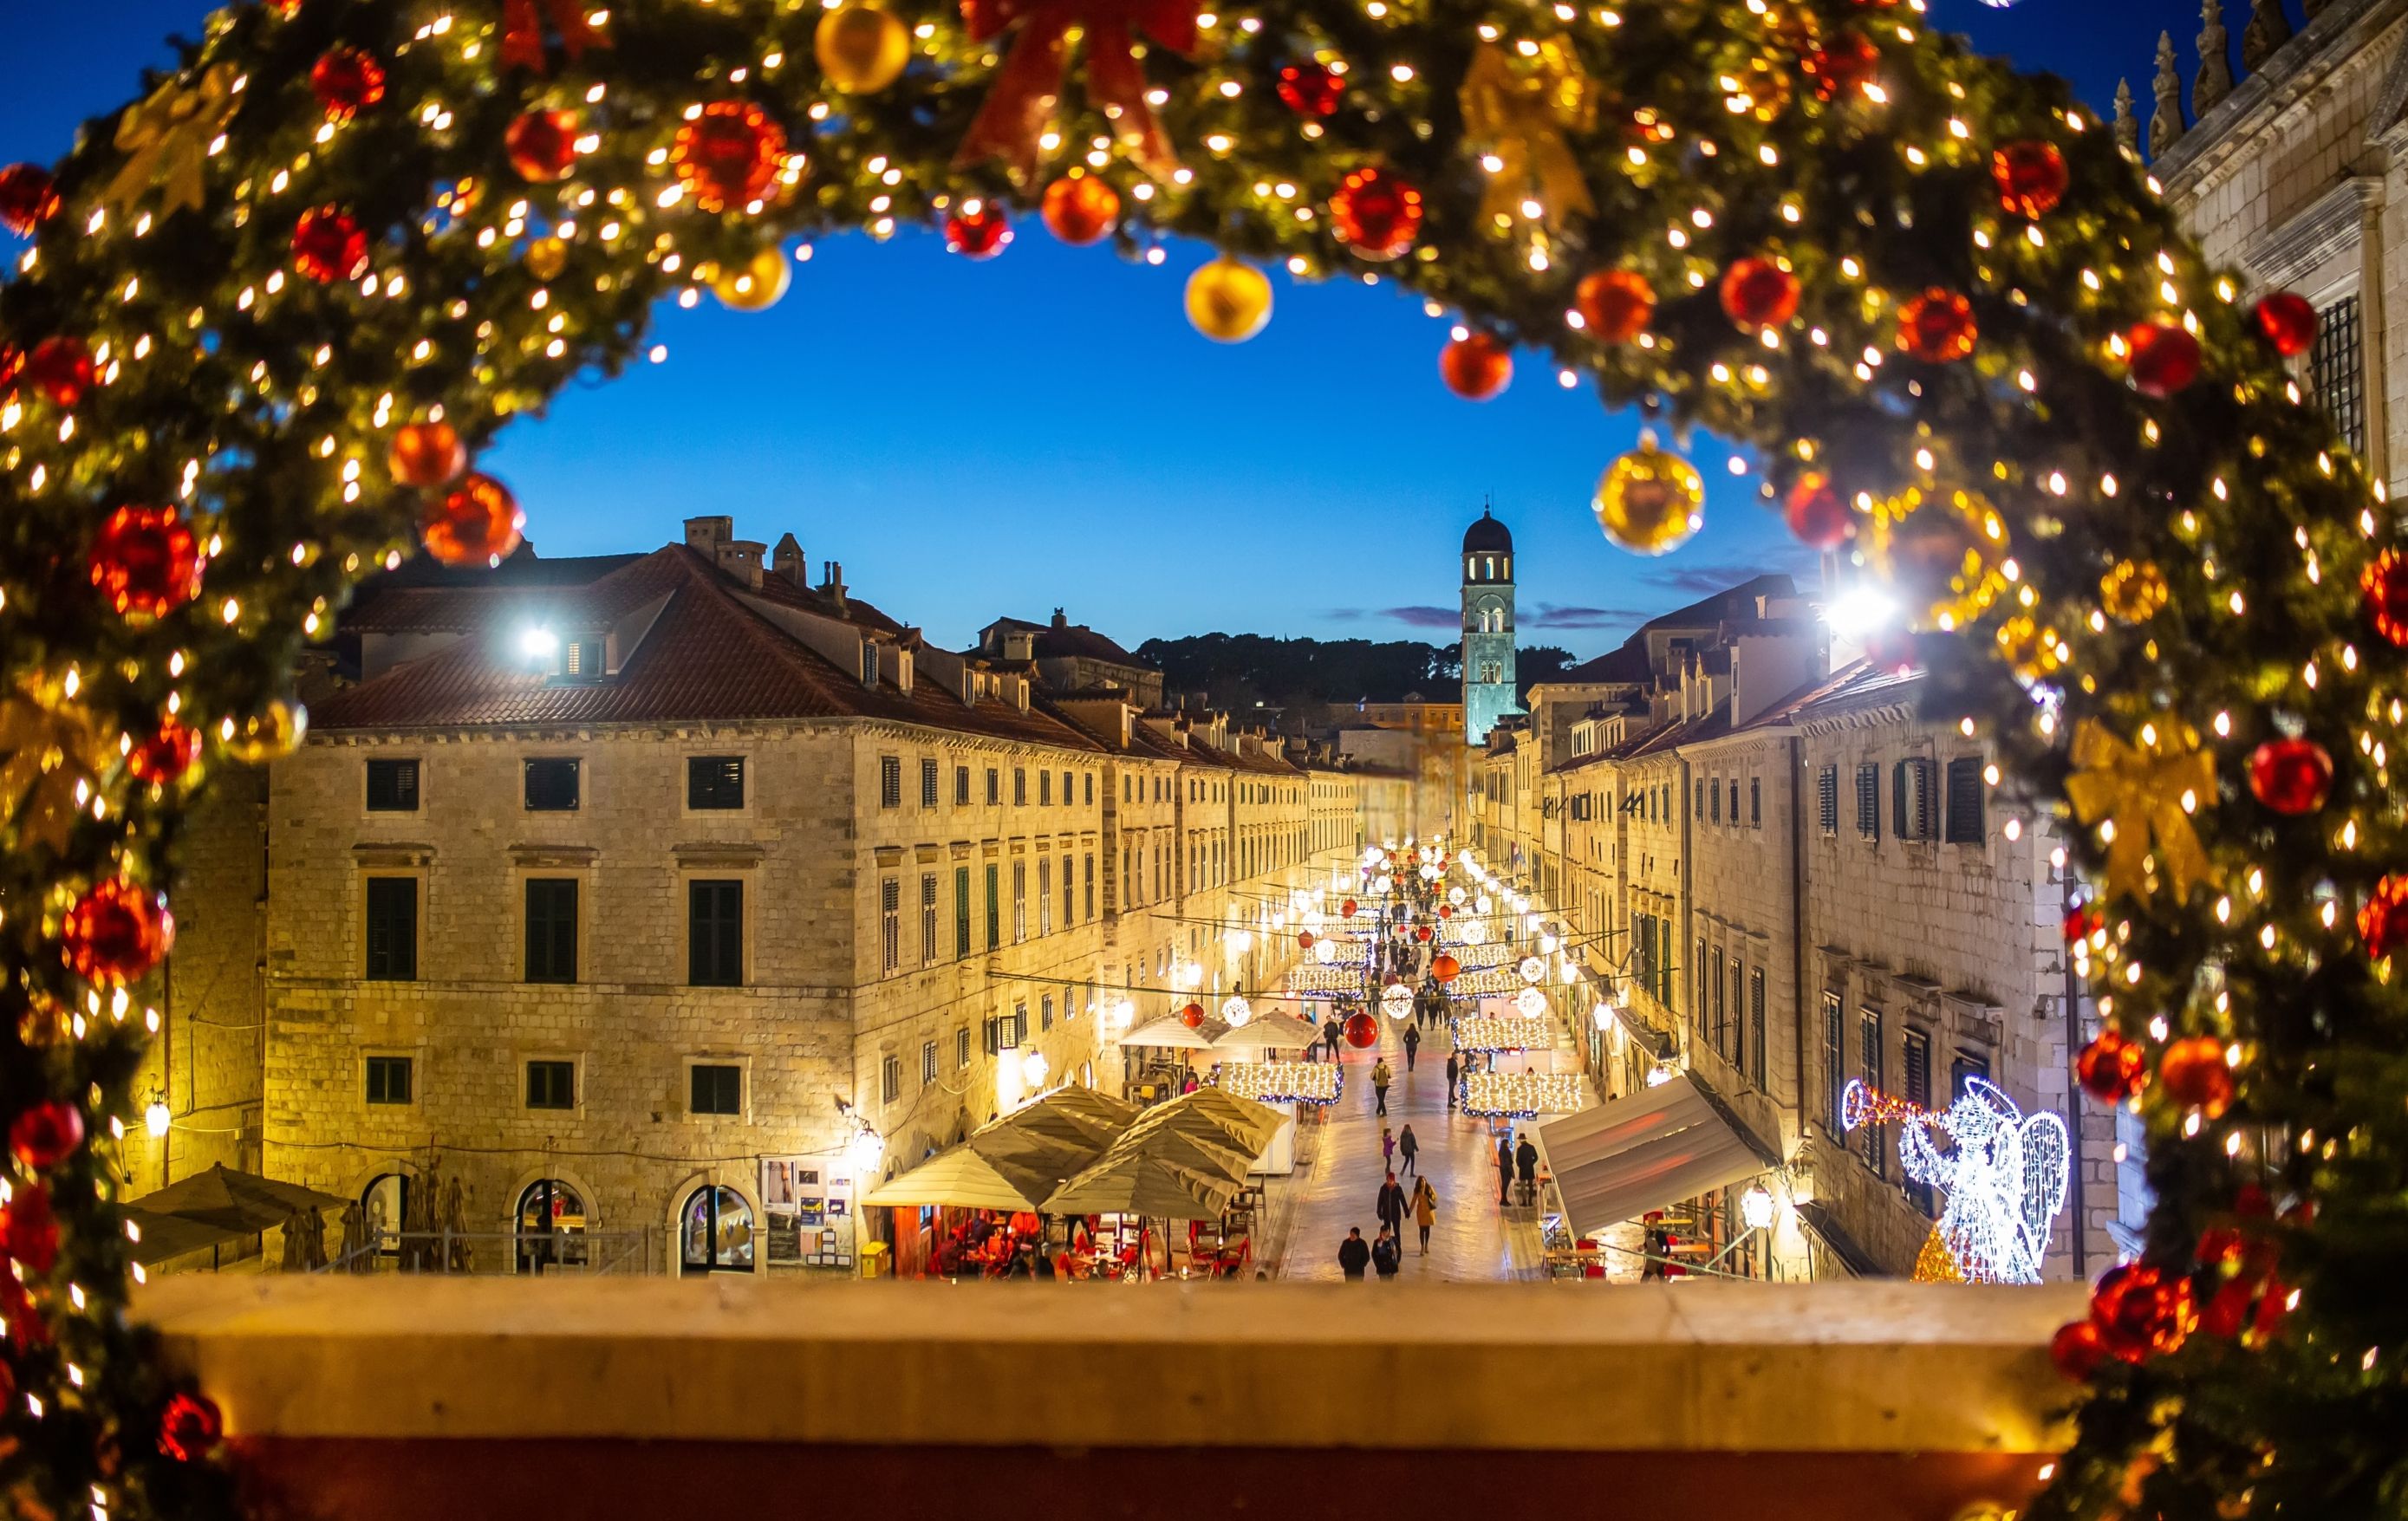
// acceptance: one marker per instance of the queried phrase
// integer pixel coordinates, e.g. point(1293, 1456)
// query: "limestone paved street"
point(1473, 1241)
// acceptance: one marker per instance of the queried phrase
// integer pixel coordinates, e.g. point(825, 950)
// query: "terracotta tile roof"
point(1065, 642)
point(1850, 689)
point(706, 658)
point(1629, 663)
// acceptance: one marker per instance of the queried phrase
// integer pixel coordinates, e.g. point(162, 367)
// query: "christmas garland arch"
point(262, 320)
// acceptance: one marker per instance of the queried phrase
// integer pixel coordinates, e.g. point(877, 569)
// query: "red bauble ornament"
point(979, 231)
point(190, 1428)
point(1759, 294)
point(1445, 910)
point(28, 199)
point(46, 1133)
point(1422, 932)
point(2292, 776)
point(28, 1231)
point(2385, 589)
point(1841, 65)
point(166, 754)
point(1080, 210)
point(1476, 366)
point(1304, 940)
point(1815, 512)
point(2164, 359)
point(2082, 922)
point(2112, 1069)
point(116, 932)
point(347, 82)
point(2286, 321)
point(1346, 909)
point(2194, 1074)
point(426, 454)
point(59, 368)
point(2076, 1350)
point(1376, 214)
point(2031, 177)
point(1192, 1016)
point(1362, 1031)
point(2383, 922)
point(1310, 88)
point(328, 245)
point(1937, 326)
point(542, 146)
point(1616, 304)
point(2139, 1308)
point(476, 522)
point(146, 560)
point(1445, 967)
point(729, 155)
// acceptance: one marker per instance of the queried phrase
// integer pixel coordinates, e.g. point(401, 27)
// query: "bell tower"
point(1488, 686)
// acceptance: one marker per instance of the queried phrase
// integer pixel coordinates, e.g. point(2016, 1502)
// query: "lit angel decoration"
point(2005, 1178)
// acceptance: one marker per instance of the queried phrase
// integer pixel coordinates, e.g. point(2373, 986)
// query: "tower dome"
point(1487, 536)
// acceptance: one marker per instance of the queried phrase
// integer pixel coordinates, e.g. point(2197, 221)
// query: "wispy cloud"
point(1706, 579)
point(1421, 616)
point(1555, 615)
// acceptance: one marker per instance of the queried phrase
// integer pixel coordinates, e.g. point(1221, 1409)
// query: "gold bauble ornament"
point(273, 732)
point(860, 49)
point(1649, 501)
point(1943, 555)
point(2133, 591)
point(1228, 301)
point(546, 257)
point(756, 283)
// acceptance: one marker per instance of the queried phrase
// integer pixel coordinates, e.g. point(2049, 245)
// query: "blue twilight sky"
point(1044, 429)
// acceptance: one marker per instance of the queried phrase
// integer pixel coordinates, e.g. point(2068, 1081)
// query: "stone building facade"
point(618, 889)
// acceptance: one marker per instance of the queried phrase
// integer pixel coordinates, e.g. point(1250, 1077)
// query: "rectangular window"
point(392, 786)
point(1755, 801)
point(1868, 800)
point(961, 1047)
point(1066, 798)
point(994, 786)
point(716, 1089)
point(1964, 1067)
point(1755, 1029)
point(1019, 901)
point(1916, 1054)
point(1827, 799)
point(1734, 796)
point(890, 782)
point(928, 1062)
point(1722, 1012)
point(1089, 777)
point(393, 929)
point(1045, 789)
point(890, 1079)
point(2336, 367)
point(1045, 896)
point(890, 926)
point(1045, 1012)
point(961, 786)
point(582, 660)
point(552, 929)
point(1020, 787)
point(993, 910)
point(927, 918)
point(961, 910)
point(388, 1080)
point(715, 933)
point(1913, 814)
point(551, 785)
point(1698, 800)
point(927, 784)
point(1716, 809)
point(1869, 1032)
point(714, 781)
point(1089, 880)
point(1835, 1060)
point(551, 1085)
point(1698, 990)
point(1069, 891)
point(1966, 801)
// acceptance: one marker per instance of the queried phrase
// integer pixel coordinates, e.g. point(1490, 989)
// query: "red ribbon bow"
point(522, 32)
point(1020, 101)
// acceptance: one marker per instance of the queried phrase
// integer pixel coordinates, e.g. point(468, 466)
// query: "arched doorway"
point(384, 1205)
point(550, 1221)
point(715, 1231)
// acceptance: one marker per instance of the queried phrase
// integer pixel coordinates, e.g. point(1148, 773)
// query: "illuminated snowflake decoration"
point(2005, 1176)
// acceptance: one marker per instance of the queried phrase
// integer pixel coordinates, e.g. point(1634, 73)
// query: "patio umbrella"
point(1208, 1152)
point(165, 1236)
point(1267, 1032)
point(1091, 1122)
point(1139, 1184)
point(1250, 1124)
point(964, 1178)
point(242, 1203)
point(1176, 1034)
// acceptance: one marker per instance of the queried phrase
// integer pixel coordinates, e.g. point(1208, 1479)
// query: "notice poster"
point(809, 1201)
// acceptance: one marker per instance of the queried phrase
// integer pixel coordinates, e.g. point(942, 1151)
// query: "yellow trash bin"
point(873, 1260)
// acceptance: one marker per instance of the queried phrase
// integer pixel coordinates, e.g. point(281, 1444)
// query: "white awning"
point(1652, 1150)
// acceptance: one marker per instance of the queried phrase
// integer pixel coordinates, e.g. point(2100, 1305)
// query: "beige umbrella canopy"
point(1267, 1031)
point(1174, 1032)
point(1250, 1124)
point(1135, 1182)
point(965, 1178)
point(1207, 1153)
point(234, 1201)
point(164, 1236)
point(1073, 1116)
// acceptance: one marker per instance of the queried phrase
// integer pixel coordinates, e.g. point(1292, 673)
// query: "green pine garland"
point(2182, 562)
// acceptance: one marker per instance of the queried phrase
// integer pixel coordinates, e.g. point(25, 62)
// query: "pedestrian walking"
point(1412, 1044)
point(1387, 1149)
point(1424, 1210)
point(1379, 1079)
point(1505, 1168)
point(1329, 1033)
point(1453, 1075)
point(1407, 1146)
point(1353, 1252)
point(1525, 1158)
point(1387, 1253)
point(1390, 1206)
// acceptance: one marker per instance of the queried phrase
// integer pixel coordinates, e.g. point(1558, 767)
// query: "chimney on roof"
point(1059, 621)
point(787, 560)
point(704, 535)
point(741, 559)
point(832, 583)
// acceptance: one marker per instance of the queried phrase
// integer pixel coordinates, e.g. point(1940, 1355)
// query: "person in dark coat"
point(1388, 1253)
point(1412, 1044)
point(1453, 1075)
point(1407, 1145)
point(1390, 1206)
point(1329, 1034)
point(1505, 1168)
point(1353, 1253)
point(1525, 1158)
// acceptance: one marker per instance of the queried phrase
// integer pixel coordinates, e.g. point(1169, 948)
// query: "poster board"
point(810, 1204)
